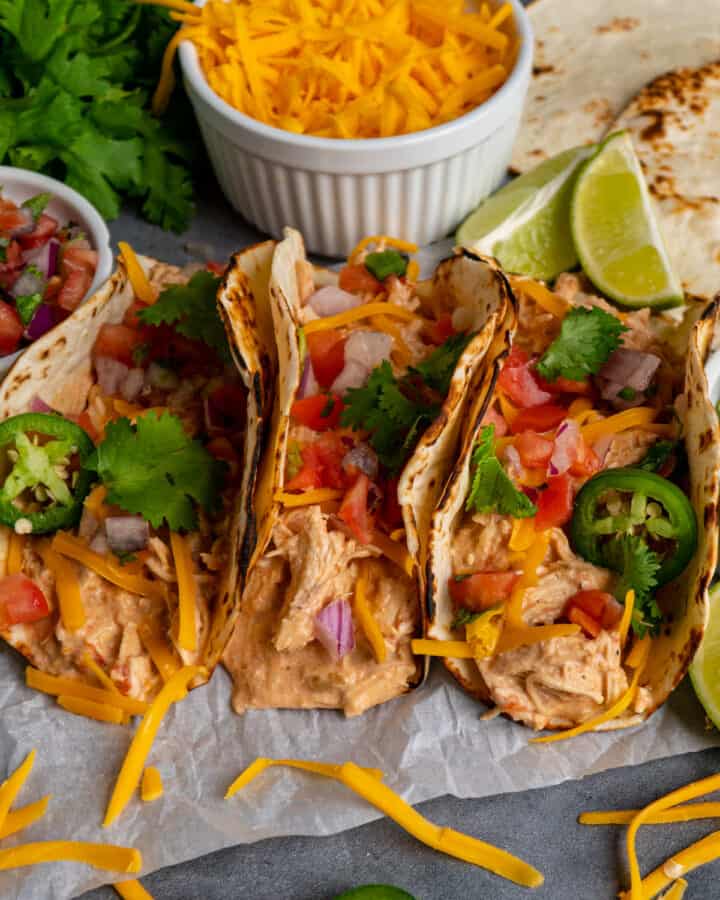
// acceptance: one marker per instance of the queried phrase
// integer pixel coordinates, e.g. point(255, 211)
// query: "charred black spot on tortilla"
point(703, 583)
point(710, 514)
point(656, 129)
point(706, 439)
point(542, 70)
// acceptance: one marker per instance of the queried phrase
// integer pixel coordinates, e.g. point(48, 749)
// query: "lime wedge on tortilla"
point(705, 668)
point(615, 231)
point(526, 224)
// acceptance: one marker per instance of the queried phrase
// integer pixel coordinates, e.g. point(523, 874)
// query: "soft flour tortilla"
point(675, 126)
point(468, 282)
point(593, 56)
point(57, 369)
point(687, 597)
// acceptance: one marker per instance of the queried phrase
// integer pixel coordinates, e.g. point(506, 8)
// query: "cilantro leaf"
point(637, 566)
point(155, 470)
point(384, 263)
point(588, 336)
point(37, 204)
point(191, 309)
point(27, 306)
point(656, 457)
point(491, 489)
point(464, 617)
point(437, 370)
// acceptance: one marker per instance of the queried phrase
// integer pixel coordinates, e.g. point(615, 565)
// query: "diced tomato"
point(493, 417)
point(21, 600)
point(45, 228)
point(358, 280)
point(354, 510)
point(10, 216)
point(587, 462)
point(578, 617)
point(229, 403)
point(331, 451)
point(482, 590)
point(555, 503)
point(391, 510)
point(10, 268)
point(592, 602)
point(564, 385)
point(613, 613)
point(320, 412)
point(85, 422)
point(11, 328)
point(118, 342)
point(441, 329)
point(76, 285)
point(519, 381)
point(538, 418)
point(327, 354)
point(310, 475)
point(215, 267)
point(131, 314)
point(535, 451)
point(74, 258)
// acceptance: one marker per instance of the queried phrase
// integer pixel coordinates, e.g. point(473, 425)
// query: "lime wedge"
point(615, 231)
point(705, 667)
point(526, 224)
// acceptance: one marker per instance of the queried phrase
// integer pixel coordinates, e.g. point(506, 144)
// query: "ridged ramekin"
point(416, 186)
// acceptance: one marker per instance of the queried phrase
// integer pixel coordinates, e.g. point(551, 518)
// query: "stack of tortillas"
point(652, 67)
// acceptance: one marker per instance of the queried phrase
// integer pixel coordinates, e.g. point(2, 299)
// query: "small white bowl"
point(416, 186)
point(66, 206)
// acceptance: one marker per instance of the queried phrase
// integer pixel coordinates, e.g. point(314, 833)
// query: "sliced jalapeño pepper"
point(635, 501)
point(43, 489)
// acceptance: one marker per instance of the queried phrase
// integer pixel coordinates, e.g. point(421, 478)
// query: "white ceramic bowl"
point(66, 206)
point(417, 186)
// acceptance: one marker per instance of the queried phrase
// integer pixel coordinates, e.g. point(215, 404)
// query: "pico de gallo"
point(46, 269)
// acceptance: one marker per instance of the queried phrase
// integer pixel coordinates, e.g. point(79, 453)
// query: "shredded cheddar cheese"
point(676, 890)
point(364, 311)
point(452, 649)
point(172, 691)
point(101, 856)
point(67, 588)
point(484, 632)
point(69, 687)
point(329, 770)
point(132, 890)
point(101, 675)
point(513, 637)
point(689, 813)
point(700, 853)
point(19, 819)
point(640, 417)
point(532, 560)
point(10, 788)
point(187, 592)
point(151, 787)
point(332, 68)
point(626, 619)
point(160, 651)
point(95, 502)
point(394, 550)
point(368, 786)
point(549, 301)
point(138, 279)
point(523, 535)
point(307, 498)
point(15, 553)
point(365, 617)
point(92, 710)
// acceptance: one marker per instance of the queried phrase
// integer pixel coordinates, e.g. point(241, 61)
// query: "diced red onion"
point(565, 448)
point(28, 283)
point(132, 384)
point(45, 257)
point(334, 628)
point(99, 544)
point(362, 457)
point(28, 224)
point(126, 534)
point(308, 383)
point(331, 300)
point(353, 375)
point(43, 320)
point(37, 404)
point(110, 374)
point(631, 368)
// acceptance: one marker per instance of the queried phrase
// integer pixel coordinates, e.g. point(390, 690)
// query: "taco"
point(121, 435)
point(375, 371)
point(572, 549)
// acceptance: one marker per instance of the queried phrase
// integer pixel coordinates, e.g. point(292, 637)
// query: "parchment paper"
point(428, 743)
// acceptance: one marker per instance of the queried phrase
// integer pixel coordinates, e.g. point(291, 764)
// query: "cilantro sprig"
point(155, 470)
point(491, 489)
point(588, 337)
point(191, 309)
point(637, 565)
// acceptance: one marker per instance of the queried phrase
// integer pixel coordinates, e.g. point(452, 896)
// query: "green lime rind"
point(615, 231)
point(705, 667)
point(375, 892)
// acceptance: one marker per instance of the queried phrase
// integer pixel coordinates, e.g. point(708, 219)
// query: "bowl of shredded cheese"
point(351, 117)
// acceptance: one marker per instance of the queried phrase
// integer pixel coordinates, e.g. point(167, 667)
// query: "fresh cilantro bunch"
point(155, 470)
point(638, 566)
point(192, 311)
point(75, 77)
point(397, 410)
point(588, 337)
point(491, 489)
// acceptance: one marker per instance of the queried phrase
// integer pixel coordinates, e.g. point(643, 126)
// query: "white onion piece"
point(368, 347)
point(631, 368)
point(565, 448)
point(110, 374)
point(126, 534)
point(331, 300)
point(132, 384)
point(28, 283)
point(308, 383)
point(353, 375)
point(362, 457)
point(334, 628)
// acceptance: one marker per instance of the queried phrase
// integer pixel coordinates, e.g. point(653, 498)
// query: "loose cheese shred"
point(532, 561)
point(523, 535)
point(10, 788)
point(550, 302)
point(452, 649)
point(394, 550)
point(329, 770)
point(344, 69)
point(138, 279)
point(187, 592)
point(677, 890)
point(367, 621)
point(617, 708)
point(484, 632)
point(624, 626)
point(160, 651)
point(67, 587)
point(74, 548)
point(413, 271)
point(20, 819)
point(381, 241)
point(102, 856)
point(151, 787)
point(364, 311)
point(695, 855)
point(446, 840)
point(15, 553)
point(70, 687)
point(130, 773)
point(640, 417)
point(101, 675)
point(689, 813)
point(307, 498)
point(95, 502)
point(132, 890)
point(101, 712)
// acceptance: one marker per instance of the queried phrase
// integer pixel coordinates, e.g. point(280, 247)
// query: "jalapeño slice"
point(634, 501)
point(44, 482)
